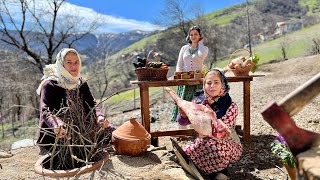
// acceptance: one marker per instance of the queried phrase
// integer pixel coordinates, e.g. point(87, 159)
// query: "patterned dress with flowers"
point(212, 155)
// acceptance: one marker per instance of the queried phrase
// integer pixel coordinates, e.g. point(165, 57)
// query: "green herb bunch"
point(280, 149)
point(255, 59)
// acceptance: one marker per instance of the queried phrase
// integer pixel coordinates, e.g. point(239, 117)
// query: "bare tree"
point(178, 13)
point(16, 89)
point(99, 79)
point(213, 41)
point(50, 33)
point(284, 46)
point(1, 118)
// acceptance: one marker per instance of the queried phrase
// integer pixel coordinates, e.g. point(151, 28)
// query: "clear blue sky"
point(143, 10)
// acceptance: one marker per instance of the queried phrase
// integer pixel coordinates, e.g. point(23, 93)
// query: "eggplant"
point(138, 65)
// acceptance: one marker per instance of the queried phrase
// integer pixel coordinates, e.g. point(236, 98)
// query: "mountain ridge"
point(95, 46)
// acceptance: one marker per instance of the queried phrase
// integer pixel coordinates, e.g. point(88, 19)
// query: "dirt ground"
point(257, 163)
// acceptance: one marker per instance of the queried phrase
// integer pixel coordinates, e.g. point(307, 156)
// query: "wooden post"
point(134, 96)
point(248, 26)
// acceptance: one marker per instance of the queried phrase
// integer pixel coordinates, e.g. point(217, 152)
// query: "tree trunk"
point(19, 108)
point(2, 129)
point(12, 124)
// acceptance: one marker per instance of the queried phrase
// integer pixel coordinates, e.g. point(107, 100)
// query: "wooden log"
point(309, 163)
point(300, 97)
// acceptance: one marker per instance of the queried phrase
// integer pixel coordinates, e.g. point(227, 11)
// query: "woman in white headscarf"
point(64, 95)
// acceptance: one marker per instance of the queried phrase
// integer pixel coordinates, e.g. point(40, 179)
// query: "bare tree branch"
point(49, 34)
point(177, 13)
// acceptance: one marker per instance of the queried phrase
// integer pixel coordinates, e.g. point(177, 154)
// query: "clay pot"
point(131, 138)
point(40, 168)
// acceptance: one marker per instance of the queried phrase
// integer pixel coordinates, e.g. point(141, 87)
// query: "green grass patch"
point(313, 6)
point(226, 19)
point(129, 95)
point(26, 130)
point(297, 44)
point(214, 14)
point(137, 45)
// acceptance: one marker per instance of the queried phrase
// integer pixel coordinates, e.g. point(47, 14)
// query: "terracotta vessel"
point(40, 168)
point(131, 138)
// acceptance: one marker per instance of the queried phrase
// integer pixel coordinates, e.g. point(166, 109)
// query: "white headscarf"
point(58, 73)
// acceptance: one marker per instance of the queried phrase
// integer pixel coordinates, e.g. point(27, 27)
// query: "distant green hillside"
point(224, 16)
point(221, 17)
point(297, 44)
point(138, 46)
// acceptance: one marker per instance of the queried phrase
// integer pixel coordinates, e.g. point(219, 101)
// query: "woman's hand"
point(103, 121)
point(59, 130)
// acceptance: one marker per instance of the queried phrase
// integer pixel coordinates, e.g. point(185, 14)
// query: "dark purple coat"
point(53, 98)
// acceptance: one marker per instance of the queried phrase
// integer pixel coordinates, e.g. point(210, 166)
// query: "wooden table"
point(145, 111)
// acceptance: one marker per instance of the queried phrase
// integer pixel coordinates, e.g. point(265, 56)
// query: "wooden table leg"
point(144, 104)
point(145, 112)
point(246, 112)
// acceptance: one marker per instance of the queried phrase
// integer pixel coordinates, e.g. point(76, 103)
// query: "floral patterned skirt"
point(211, 155)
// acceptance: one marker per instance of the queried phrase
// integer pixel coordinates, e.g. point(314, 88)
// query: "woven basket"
point(244, 71)
point(151, 74)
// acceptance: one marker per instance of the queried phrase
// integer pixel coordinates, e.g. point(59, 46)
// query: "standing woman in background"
point(191, 58)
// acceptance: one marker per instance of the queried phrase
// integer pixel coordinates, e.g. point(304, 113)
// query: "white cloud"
point(106, 23)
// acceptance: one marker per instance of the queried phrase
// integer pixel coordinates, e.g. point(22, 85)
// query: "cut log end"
point(308, 163)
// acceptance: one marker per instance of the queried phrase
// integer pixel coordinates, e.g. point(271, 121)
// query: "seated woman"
point(210, 154)
point(67, 107)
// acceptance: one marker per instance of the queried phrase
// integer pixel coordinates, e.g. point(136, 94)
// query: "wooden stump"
point(309, 163)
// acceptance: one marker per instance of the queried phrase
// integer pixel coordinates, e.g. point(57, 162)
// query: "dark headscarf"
point(219, 104)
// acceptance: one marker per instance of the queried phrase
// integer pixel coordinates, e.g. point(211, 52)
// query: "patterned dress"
point(211, 155)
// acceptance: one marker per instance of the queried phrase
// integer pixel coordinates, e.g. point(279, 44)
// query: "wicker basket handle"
point(225, 69)
point(154, 57)
point(238, 50)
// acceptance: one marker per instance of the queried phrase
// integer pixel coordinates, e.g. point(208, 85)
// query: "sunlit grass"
point(137, 45)
point(313, 6)
point(296, 44)
point(226, 19)
point(26, 130)
point(129, 95)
